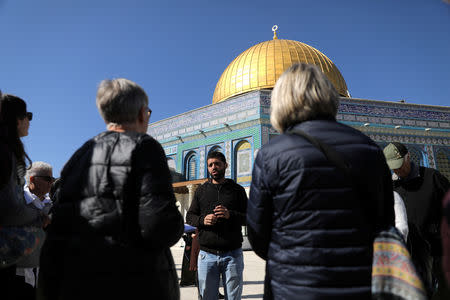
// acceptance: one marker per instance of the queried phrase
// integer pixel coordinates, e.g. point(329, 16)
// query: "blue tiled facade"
point(424, 129)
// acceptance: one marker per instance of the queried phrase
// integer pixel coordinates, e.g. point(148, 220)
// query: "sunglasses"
point(46, 178)
point(149, 112)
point(28, 115)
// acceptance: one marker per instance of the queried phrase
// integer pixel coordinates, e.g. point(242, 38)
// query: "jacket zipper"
point(217, 202)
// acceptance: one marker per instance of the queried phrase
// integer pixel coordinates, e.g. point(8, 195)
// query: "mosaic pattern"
point(264, 135)
point(170, 150)
point(369, 108)
point(417, 155)
point(243, 160)
point(408, 112)
point(228, 157)
point(202, 162)
point(443, 160)
point(207, 118)
point(430, 155)
point(426, 129)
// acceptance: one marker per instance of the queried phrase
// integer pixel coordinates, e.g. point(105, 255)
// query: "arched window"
point(443, 162)
point(243, 155)
point(191, 166)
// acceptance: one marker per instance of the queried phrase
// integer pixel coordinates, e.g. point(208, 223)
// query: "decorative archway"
point(243, 159)
point(191, 166)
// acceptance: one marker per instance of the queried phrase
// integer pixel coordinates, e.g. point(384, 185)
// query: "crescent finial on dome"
point(274, 29)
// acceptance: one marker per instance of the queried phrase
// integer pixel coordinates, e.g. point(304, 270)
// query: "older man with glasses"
point(39, 179)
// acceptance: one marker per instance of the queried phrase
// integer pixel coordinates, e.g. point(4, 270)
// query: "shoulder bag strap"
point(331, 154)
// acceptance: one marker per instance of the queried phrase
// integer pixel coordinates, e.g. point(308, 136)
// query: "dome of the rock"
point(260, 66)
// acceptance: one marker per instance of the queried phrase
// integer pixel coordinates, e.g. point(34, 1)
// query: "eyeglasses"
point(28, 115)
point(46, 178)
point(149, 112)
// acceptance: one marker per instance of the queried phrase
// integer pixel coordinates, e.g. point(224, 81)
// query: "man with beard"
point(218, 210)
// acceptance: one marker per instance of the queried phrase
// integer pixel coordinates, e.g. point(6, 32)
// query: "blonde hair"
point(120, 100)
point(302, 93)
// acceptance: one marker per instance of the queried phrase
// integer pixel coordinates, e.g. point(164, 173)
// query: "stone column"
point(192, 188)
point(181, 199)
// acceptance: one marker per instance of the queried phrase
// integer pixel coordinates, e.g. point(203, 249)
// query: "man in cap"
point(422, 190)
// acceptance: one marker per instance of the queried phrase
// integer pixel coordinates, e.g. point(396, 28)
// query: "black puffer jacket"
point(113, 223)
point(304, 219)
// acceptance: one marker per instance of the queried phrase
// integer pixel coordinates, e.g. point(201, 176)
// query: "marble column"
point(192, 188)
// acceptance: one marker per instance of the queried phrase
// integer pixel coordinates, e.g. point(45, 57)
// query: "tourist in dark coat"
point(445, 233)
point(115, 215)
point(304, 216)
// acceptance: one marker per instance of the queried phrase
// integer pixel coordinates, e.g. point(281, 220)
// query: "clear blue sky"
point(54, 53)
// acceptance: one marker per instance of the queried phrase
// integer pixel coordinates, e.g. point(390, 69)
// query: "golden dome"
point(260, 66)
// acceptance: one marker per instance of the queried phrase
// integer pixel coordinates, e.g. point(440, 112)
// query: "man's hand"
point(210, 219)
point(221, 212)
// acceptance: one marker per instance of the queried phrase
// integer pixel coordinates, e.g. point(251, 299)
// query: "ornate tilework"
point(201, 164)
point(426, 127)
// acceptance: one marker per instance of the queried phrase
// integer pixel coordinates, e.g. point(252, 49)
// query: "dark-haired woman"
point(14, 124)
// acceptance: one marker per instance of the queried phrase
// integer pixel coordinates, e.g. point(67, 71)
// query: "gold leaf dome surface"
point(260, 66)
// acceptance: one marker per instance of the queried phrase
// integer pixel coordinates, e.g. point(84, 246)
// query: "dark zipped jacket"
point(226, 234)
point(114, 219)
point(423, 196)
point(306, 219)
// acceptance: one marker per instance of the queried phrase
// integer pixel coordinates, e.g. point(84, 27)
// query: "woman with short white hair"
point(114, 217)
point(311, 222)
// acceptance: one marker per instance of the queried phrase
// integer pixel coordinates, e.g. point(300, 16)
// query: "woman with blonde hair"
point(306, 217)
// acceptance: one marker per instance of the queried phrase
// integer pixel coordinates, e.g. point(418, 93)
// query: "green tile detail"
point(253, 131)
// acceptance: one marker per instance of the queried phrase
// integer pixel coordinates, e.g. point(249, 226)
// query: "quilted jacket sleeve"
point(160, 221)
point(259, 210)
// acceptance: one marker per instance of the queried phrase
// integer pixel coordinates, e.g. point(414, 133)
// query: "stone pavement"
point(254, 271)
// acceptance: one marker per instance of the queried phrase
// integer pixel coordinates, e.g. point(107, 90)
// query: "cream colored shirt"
point(401, 219)
point(44, 205)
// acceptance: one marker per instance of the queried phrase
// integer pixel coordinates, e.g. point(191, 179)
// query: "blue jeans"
point(210, 266)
